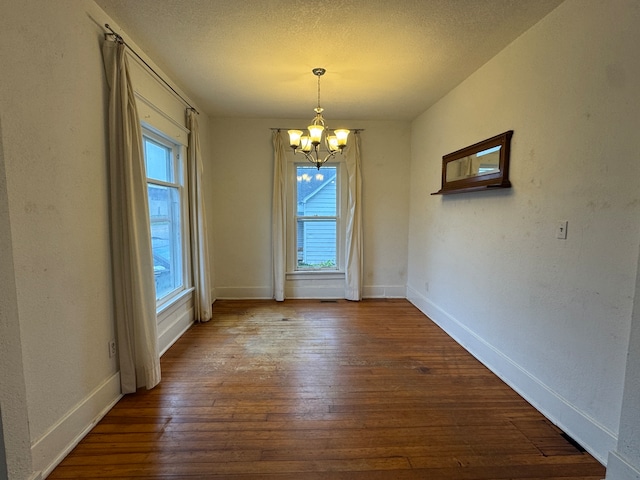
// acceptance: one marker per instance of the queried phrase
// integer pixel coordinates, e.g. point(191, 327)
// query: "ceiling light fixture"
point(309, 142)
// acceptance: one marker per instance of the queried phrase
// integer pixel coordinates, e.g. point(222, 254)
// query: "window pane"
point(316, 235)
point(158, 161)
point(316, 244)
point(316, 192)
point(164, 209)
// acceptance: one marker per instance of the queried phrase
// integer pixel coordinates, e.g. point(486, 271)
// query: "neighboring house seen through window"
point(317, 217)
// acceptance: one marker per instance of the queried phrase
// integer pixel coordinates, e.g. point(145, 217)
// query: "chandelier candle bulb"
point(341, 135)
point(305, 143)
point(294, 137)
point(333, 143)
point(315, 132)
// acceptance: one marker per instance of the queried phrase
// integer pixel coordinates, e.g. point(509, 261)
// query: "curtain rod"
point(354, 130)
point(120, 39)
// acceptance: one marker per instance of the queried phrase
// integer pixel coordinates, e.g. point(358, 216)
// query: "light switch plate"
point(561, 230)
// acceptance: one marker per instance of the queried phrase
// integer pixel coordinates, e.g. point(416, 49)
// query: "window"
point(317, 219)
point(166, 205)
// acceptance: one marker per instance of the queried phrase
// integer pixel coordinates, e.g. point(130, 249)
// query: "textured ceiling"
point(384, 59)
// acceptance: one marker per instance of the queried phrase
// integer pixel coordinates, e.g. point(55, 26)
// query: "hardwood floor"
point(317, 390)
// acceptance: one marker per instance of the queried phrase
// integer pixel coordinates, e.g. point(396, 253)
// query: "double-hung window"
point(166, 206)
point(318, 220)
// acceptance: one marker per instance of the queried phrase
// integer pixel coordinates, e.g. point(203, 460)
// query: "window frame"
point(292, 271)
point(178, 153)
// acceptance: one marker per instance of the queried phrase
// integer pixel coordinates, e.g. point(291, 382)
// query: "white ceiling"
point(387, 59)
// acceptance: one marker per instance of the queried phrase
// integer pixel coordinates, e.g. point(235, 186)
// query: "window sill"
point(316, 275)
point(174, 301)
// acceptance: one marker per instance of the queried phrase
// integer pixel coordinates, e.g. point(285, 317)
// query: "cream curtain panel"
point(353, 254)
point(279, 216)
point(199, 246)
point(133, 280)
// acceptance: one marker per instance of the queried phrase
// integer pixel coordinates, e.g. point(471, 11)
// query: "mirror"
point(484, 165)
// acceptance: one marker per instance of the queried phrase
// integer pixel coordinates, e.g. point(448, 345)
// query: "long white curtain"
point(353, 254)
point(279, 216)
point(199, 244)
point(133, 278)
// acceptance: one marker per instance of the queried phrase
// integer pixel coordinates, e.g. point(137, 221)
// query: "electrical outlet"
point(112, 348)
point(561, 230)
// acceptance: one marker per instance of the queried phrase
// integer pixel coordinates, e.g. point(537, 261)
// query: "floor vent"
point(328, 301)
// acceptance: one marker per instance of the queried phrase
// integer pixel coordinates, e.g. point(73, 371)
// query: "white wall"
point(242, 176)
point(53, 98)
point(550, 316)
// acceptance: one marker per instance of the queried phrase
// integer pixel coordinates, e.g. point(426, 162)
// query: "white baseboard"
point(309, 292)
point(618, 468)
point(595, 438)
point(56, 443)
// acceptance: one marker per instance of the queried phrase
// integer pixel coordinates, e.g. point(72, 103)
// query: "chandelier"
point(309, 142)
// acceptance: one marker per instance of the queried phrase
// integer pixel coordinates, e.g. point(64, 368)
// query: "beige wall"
point(550, 316)
point(242, 175)
point(53, 117)
point(53, 98)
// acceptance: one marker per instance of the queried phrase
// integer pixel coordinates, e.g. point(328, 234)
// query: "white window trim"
point(179, 151)
point(341, 190)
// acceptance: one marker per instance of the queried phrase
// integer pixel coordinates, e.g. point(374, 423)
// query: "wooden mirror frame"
point(499, 179)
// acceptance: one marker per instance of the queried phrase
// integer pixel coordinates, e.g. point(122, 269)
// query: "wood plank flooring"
point(324, 390)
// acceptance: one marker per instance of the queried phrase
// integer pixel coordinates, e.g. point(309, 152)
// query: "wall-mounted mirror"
point(484, 165)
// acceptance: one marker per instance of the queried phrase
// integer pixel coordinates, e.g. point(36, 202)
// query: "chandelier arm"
point(317, 161)
point(313, 160)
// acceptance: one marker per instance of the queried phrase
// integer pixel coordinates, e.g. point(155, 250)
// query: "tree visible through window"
point(164, 189)
point(316, 217)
